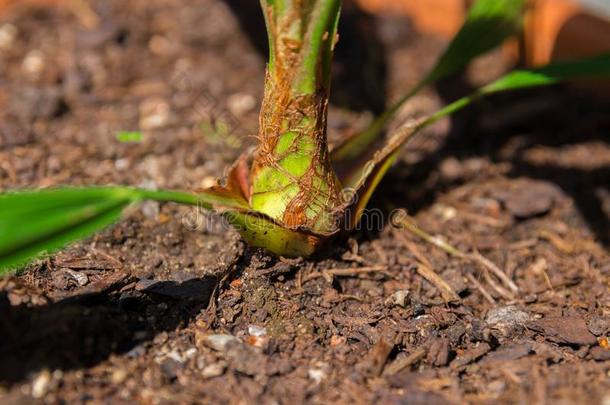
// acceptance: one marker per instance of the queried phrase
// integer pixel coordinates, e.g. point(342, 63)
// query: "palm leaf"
point(487, 25)
point(366, 177)
point(34, 222)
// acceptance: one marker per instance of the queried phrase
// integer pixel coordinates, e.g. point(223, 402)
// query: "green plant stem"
point(292, 179)
point(173, 196)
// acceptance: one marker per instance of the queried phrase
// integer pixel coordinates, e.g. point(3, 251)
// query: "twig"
point(499, 289)
point(85, 14)
point(446, 291)
point(495, 270)
point(400, 364)
point(347, 272)
point(425, 269)
point(481, 289)
point(402, 220)
point(413, 249)
point(556, 241)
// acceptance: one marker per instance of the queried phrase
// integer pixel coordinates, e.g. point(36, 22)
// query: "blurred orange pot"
point(554, 29)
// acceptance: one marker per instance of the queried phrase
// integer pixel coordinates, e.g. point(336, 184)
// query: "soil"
point(155, 310)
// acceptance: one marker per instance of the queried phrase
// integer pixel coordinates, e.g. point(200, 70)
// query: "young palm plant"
point(289, 196)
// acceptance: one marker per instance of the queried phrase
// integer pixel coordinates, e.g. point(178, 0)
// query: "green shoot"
point(488, 24)
point(285, 198)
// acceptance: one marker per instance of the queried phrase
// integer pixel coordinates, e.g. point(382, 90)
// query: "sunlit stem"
point(292, 179)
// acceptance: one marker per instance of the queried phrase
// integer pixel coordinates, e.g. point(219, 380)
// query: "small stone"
point(600, 354)
point(214, 370)
point(240, 103)
point(170, 368)
point(399, 298)
point(599, 325)
point(220, 342)
point(8, 34)
point(33, 63)
point(531, 198)
point(137, 351)
point(257, 331)
point(154, 113)
point(336, 340)
point(318, 373)
point(150, 209)
point(40, 385)
point(208, 182)
point(508, 320)
point(65, 278)
point(118, 376)
point(451, 169)
point(81, 278)
point(121, 164)
point(444, 212)
point(262, 342)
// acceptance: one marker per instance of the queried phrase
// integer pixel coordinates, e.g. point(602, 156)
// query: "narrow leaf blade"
point(595, 67)
point(36, 221)
point(488, 24)
point(32, 222)
point(598, 66)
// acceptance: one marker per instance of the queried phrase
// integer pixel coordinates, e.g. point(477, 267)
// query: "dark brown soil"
point(151, 311)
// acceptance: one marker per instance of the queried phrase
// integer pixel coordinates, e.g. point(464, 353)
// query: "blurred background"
point(554, 28)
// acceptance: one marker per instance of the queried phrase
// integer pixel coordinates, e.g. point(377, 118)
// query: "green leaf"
point(34, 222)
point(367, 176)
point(487, 25)
point(129, 136)
point(594, 67)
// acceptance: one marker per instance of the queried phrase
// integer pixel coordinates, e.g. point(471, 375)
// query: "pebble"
point(444, 212)
point(121, 164)
point(399, 298)
point(137, 351)
point(118, 376)
point(150, 209)
point(154, 113)
point(507, 320)
point(159, 45)
point(257, 331)
point(600, 354)
point(81, 278)
point(219, 342)
point(214, 370)
point(40, 385)
point(318, 374)
point(451, 169)
point(33, 63)
point(241, 103)
point(599, 325)
point(8, 34)
point(208, 182)
point(531, 198)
